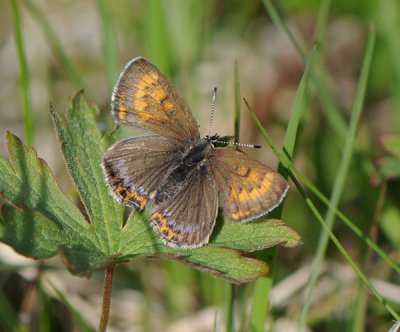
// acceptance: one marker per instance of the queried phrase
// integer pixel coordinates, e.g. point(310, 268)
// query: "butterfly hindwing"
point(248, 188)
point(187, 218)
point(143, 97)
point(135, 167)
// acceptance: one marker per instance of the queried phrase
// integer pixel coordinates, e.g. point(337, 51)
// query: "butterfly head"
point(212, 139)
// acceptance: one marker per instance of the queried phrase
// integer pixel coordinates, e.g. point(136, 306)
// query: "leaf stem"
point(107, 288)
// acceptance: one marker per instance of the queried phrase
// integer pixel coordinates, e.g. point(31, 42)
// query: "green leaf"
point(38, 238)
point(256, 235)
point(228, 264)
point(28, 183)
point(83, 150)
point(390, 223)
point(388, 167)
point(42, 221)
point(391, 144)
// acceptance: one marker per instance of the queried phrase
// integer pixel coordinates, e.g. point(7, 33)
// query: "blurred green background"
point(71, 46)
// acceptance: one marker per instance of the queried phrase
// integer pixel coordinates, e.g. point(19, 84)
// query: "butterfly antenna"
point(214, 139)
point(212, 110)
point(252, 146)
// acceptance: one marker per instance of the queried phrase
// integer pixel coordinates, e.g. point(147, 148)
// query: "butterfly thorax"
point(193, 158)
point(196, 152)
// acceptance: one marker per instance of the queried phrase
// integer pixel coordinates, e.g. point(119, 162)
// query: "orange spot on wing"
point(144, 116)
point(140, 105)
point(244, 195)
point(137, 199)
point(242, 170)
point(154, 76)
point(168, 105)
point(163, 228)
point(122, 115)
point(140, 93)
point(237, 215)
point(159, 94)
point(150, 78)
point(142, 85)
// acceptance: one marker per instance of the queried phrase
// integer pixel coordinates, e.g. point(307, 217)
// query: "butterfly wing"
point(143, 97)
point(249, 189)
point(135, 167)
point(186, 220)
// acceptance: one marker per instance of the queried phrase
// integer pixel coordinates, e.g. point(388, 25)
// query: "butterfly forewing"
point(135, 167)
point(187, 219)
point(143, 97)
point(248, 188)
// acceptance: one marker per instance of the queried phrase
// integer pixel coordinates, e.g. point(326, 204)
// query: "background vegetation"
point(346, 105)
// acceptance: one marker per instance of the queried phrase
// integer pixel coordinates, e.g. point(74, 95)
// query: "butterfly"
point(178, 175)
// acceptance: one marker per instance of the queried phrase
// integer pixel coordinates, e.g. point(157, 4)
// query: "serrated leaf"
point(33, 235)
point(139, 241)
point(256, 235)
point(43, 219)
point(83, 151)
point(30, 233)
point(45, 222)
point(30, 184)
point(226, 264)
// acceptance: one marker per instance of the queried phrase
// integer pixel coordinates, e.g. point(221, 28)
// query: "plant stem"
point(107, 288)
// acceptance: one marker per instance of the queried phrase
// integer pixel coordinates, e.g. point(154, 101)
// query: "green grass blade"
point(237, 100)
point(340, 177)
point(293, 173)
point(330, 108)
point(82, 323)
point(263, 286)
point(261, 300)
point(230, 326)
point(109, 43)
point(8, 318)
point(55, 44)
point(273, 13)
point(230, 320)
point(27, 114)
point(286, 162)
point(46, 310)
point(307, 183)
point(343, 251)
point(156, 36)
point(299, 109)
point(388, 16)
point(322, 23)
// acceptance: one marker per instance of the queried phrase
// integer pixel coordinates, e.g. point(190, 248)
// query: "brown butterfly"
point(178, 174)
